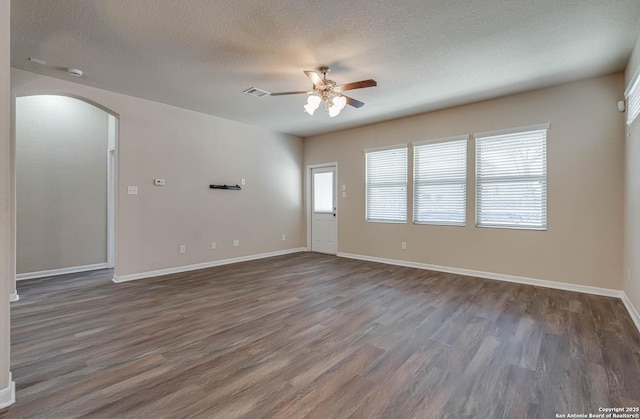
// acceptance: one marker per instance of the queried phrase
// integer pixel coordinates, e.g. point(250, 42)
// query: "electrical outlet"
point(183, 249)
point(132, 190)
point(404, 245)
point(243, 181)
point(236, 243)
point(213, 245)
point(284, 237)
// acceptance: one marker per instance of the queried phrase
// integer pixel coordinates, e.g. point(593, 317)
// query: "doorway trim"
point(308, 199)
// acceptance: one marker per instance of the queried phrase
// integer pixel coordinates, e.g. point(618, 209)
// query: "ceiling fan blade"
point(289, 93)
point(315, 78)
point(356, 85)
point(355, 103)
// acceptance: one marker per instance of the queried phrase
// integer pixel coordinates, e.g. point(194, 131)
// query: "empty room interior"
point(269, 209)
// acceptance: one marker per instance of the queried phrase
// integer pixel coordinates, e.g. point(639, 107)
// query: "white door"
point(324, 226)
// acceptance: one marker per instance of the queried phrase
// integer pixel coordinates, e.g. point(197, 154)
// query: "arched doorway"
point(65, 185)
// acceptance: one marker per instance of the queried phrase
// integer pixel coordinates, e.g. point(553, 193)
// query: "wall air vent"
point(254, 91)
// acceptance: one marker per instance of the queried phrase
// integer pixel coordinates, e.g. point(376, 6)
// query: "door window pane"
point(323, 192)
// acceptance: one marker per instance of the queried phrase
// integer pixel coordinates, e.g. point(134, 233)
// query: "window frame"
point(513, 179)
point(406, 183)
point(451, 180)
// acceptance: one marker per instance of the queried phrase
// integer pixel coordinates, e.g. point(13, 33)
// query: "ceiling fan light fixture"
point(333, 109)
point(327, 91)
point(313, 102)
point(340, 101)
point(310, 110)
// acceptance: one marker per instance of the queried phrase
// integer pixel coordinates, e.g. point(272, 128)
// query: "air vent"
point(254, 91)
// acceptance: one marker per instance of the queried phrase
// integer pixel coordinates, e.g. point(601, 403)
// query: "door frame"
point(309, 198)
point(111, 206)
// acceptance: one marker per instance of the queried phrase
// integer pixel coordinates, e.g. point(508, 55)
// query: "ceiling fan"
point(325, 90)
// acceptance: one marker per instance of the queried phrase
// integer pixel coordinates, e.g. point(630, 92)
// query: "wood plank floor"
point(316, 336)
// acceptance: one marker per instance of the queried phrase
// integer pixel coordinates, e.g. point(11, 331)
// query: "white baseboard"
point(61, 271)
point(633, 312)
point(490, 275)
point(14, 297)
point(8, 394)
point(178, 269)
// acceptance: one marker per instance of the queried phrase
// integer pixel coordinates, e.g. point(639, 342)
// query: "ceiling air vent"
point(254, 91)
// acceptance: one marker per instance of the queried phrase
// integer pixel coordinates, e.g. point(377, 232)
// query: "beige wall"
point(583, 243)
point(632, 198)
point(5, 237)
point(61, 183)
point(191, 150)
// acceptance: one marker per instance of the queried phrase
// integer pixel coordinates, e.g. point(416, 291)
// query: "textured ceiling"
point(425, 54)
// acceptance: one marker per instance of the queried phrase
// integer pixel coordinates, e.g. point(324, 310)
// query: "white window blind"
point(632, 94)
point(440, 182)
point(386, 184)
point(511, 179)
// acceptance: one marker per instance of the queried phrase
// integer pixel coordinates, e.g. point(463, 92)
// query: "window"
point(323, 192)
point(632, 94)
point(440, 181)
point(511, 178)
point(386, 179)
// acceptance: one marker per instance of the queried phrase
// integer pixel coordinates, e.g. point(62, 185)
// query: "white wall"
point(61, 183)
point(583, 243)
point(6, 385)
point(190, 151)
point(632, 197)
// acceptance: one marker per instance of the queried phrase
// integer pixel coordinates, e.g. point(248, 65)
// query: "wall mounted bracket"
point(229, 187)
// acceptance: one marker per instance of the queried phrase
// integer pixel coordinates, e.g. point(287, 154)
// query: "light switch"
point(132, 190)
